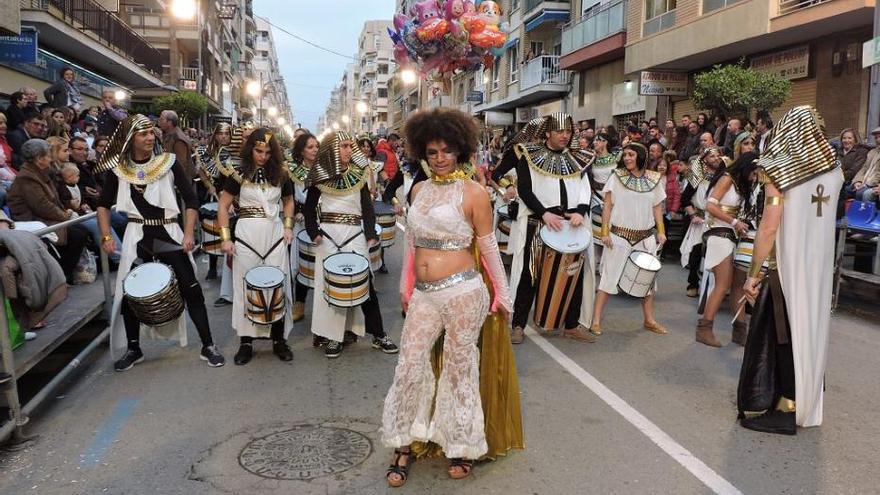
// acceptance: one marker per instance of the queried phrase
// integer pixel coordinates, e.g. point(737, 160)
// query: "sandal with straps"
point(466, 465)
point(396, 468)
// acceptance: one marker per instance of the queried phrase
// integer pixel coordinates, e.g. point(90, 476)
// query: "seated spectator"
point(33, 197)
point(5, 149)
point(34, 127)
point(79, 154)
point(851, 153)
point(16, 111)
point(59, 155)
point(58, 124)
point(71, 195)
point(98, 147)
point(864, 186)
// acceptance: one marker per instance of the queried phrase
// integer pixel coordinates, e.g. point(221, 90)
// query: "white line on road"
point(675, 450)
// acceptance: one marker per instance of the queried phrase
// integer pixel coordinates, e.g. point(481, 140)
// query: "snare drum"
point(346, 280)
point(503, 229)
point(559, 267)
point(264, 294)
point(387, 219)
point(639, 274)
point(211, 242)
point(376, 252)
point(742, 259)
point(306, 256)
point(152, 294)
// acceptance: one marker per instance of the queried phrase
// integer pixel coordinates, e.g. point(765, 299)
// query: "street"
point(633, 413)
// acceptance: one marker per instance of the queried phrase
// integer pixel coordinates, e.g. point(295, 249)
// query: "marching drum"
point(264, 294)
point(386, 218)
point(596, 205)
point(346, 279)
point(561, 260)
point(376, 252)
point(639, 273)
point(306, 256)
point(210, 229)
point(742, 259)
point(503, 228)
point(152, 293)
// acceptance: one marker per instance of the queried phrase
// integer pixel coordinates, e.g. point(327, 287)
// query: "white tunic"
point(694, 235)
point(261, 234)
point(631, 210)
point(719, 248)
point(330, 321)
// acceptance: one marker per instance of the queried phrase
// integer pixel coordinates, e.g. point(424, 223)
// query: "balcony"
point(787, 6)
point(543, 71)
point(86, 31)
point(542, 14)
point(598, 37)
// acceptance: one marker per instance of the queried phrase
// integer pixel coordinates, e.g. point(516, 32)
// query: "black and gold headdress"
point(533, 131)
point(116, 157)
point(798, 149)
point(329, 165)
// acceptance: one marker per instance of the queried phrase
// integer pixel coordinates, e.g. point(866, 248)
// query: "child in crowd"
point(69, 190)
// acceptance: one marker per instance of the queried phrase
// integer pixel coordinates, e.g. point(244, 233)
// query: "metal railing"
point(787, 6)
point(191, 73)
point(14, 427)
point(542, 70)
point(533, 4)
point(607, 20)
point(87, 15)
point(659, 23)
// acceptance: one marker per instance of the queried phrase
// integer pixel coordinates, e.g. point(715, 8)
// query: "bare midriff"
point(434, 264)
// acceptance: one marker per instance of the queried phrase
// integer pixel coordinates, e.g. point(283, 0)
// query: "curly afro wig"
point(457, 129)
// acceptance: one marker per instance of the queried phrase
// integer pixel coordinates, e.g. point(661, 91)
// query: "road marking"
point(675, 450)
point(108, 432)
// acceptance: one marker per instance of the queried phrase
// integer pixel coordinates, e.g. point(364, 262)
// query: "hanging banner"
point(21, 48)
point(790, 64)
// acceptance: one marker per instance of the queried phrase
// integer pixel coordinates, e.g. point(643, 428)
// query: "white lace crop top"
point(436, 219)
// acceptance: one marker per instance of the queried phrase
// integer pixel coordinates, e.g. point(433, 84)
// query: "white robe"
point(694, 235)
point(805, 245)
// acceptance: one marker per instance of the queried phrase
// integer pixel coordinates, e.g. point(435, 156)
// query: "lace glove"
point(491, 259)
point(408, 276)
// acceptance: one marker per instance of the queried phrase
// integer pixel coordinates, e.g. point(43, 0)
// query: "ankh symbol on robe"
point(819, 199)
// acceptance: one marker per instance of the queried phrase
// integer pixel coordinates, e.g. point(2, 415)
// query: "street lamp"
point(408, 76)
point(281, 120)
point(183, 9)
point(120, 95)
point(273, 111)
point(361, 107)
point(346, 119)
point(336, 126)
point(254, 88)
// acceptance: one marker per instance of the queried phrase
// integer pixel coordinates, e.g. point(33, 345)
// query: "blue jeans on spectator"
point(865, 194)
point(92, 226)
point(118, 221)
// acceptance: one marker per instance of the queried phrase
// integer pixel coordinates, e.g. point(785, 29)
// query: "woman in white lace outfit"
point(441, 289)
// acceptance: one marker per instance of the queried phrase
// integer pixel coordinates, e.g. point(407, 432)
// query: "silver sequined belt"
point(445, 283)
point(441, 244)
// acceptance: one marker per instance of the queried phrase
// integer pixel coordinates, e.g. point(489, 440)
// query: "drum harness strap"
point(724, 232)
point(261, 256)
point(347, 241)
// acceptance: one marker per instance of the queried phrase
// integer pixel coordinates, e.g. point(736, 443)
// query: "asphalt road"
point(633, 413)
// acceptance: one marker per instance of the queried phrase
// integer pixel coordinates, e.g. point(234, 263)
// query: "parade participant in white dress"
point(304, 155)
point(694, 199)
point(206, 159)
point(783, 372)
point(346, 224)
point(724, 229)
point(239, 135)
point(142, 185)
point(632, 219)
point(262, 186)
point(603, 166)
point(441, 290)
point(552, 187)
point(744, 172)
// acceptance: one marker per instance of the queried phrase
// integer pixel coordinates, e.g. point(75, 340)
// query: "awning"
point(548, 16)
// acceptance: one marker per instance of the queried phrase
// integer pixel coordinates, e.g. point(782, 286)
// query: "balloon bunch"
point(449, 35)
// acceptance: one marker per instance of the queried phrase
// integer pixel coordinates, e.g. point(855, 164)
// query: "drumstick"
point(741, 304)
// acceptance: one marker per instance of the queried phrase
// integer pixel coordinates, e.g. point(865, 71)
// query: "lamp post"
point(363, 108)
point(257, 89)
point(408, 77)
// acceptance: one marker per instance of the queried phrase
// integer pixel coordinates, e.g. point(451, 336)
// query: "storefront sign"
point(871, 52)
point(625, 98)
point(21, 48)
point(661, 83)
point(790, 64)
point(499, 118)
point(525, 114)
point(475, 96)
point(189, 84)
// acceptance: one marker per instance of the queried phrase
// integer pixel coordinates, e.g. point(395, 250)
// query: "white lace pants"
point(457, 424)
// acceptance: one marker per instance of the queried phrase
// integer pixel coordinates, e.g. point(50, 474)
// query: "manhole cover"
point(305, 452)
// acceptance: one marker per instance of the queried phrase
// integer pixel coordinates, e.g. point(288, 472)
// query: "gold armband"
point(106, 238)
point(755, 270)
point(288, 223)
point(606, 230)
point(661, 228)
point(225, 234)
point(773, 201)
point(714, 201)
point(395, 201)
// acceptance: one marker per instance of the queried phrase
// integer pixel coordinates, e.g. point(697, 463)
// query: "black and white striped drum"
point(745, 248)
point(503, 229)
point(306, 256)
point(639, 274)
point(210, 229)
point(387, 219)
point(561, 260)
point(346, 280)
point(376, 252)
point(264, 294)
point(152, 294)
point(596, 219)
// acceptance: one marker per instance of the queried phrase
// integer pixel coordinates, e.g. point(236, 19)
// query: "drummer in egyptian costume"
point(724, 204)
point(207, 159)
point(346, 224)
point(143, 185)
point(600, 171)
point(783, 371)
point(260, 266)
point(632, 220)
point(694, 199)
point(555, 194)
point(303, 157)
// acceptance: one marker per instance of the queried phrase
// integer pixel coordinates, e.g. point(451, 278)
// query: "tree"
point(190, 106)
point(736, 90)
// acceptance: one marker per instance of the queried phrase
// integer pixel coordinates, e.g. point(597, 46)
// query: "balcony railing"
point(87, 15)
point(786, 6)
point(190, 73)
point(533, 4)
point(542, 70)
point(609, 19)
point(659, 23)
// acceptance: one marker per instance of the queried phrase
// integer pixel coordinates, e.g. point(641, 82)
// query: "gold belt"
point(632, 236)
point(342, 218)
point(251, 212)
point(152, 222)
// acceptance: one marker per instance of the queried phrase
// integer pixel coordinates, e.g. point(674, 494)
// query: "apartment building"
point(276, 108)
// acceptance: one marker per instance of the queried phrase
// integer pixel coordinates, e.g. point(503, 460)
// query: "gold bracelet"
point(661, 228)
point(754, 270)
point(288, 223)
point(225, 234)
point(606, 230)
point(395, 201)
point(106, 238)
point(773, 201)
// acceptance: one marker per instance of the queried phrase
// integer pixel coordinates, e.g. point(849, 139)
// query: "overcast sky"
point(310, 74)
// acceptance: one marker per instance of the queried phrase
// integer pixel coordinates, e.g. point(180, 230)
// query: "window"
point(659, 15)
point(376, 41)
point(710, 5)
point(383, 69)
point(382, 92)
point(537, 47)
point(495, 75)
point(513, 61)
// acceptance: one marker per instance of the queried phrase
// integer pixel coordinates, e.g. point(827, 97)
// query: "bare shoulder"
point(416, 188)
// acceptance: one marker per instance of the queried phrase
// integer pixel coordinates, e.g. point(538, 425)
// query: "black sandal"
point(396, 468)
point(466, 466)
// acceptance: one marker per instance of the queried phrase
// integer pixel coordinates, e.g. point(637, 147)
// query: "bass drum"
point(152, 294)
point(742, 258)
point(561, 261)
point(503, 229)
point(264, 294)
point(639, 274)
point(596, 206)
point(387, 219)
point(305, 274)
point(376, 252)
point(346, 280)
